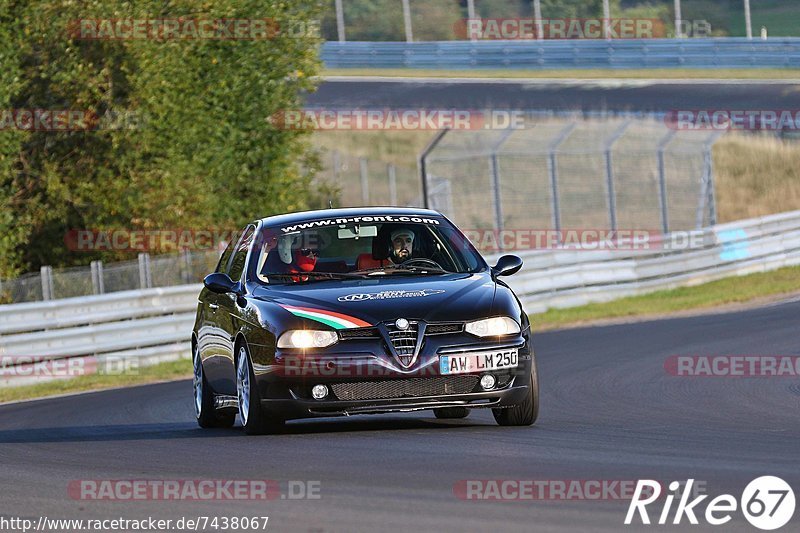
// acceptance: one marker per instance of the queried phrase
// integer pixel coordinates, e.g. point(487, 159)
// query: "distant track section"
point(556, 95)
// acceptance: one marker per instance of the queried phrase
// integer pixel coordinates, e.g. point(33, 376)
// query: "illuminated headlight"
point(493, 327)
point(307, 338)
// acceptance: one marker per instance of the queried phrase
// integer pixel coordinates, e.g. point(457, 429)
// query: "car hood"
point(362, 302)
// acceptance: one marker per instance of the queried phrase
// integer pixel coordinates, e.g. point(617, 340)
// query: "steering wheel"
point(423, 262)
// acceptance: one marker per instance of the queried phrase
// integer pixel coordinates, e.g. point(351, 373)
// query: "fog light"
point(320, 391)
point(488, 381)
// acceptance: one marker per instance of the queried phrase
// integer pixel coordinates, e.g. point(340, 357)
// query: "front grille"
point(443, 329)
point(359, 333)
point(404, 341)
point(401, 388)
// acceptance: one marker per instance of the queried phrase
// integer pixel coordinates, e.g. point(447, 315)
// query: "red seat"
point(365, 261)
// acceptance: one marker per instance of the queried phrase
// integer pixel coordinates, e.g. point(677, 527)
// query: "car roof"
point(302, 216)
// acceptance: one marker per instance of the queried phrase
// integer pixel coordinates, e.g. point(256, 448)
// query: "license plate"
point(478, 362)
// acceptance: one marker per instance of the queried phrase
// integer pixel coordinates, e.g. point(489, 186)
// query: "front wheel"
point(206, 414)
point(525, 413)
point(255, 420)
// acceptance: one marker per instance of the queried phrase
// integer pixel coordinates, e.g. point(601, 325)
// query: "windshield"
point(339, 249)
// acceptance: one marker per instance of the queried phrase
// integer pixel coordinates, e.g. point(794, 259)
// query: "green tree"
point(200, 150)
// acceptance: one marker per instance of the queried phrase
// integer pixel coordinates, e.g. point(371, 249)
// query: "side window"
point(222, 266)
point(240, 254)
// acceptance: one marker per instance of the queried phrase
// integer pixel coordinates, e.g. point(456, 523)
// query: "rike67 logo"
point(767, 503)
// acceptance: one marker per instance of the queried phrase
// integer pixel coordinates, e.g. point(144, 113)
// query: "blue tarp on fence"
point(554, 54)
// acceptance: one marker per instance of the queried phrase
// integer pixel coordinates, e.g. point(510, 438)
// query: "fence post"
point(337, 165)
point(712, 200)
point(495, 188)
point(494, 169)
point(678, 19)
point(707, 196)
point(340, 21)
point(407, 21)
point(470, 16)
point(392, 172)
point(362, 170)
point(712, 194)
point(97, 277)
point(552, 167)
point(537, 19)
point(747, 22)
point(702, 199)
point(662, 181)
point(145, 280)
point(46, 274)
point(422, 163)
point(187, 266)
point(612, 195)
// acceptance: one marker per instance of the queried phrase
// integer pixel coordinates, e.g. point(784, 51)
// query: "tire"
point(204, 410)
point(451, 412)
point(525, 413)
point(255, 420)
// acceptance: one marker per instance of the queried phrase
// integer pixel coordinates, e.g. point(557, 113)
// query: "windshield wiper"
point(394, 269)
point(317, 276)
point(423, 270)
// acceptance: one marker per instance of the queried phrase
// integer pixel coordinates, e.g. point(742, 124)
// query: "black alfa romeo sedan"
point(356, 311)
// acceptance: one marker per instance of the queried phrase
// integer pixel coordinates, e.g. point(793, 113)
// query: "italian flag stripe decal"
point(330, 318)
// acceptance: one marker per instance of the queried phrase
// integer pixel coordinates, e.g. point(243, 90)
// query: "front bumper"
point(303, 408)
point(285, 386)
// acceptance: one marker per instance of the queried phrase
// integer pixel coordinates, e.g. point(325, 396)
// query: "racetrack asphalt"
point(558, 95)
point(609, 411)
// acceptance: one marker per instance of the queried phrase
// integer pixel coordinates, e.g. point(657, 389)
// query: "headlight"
point(307, 338)
point(493, 327)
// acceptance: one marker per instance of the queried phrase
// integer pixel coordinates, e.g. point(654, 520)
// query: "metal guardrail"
point(149, 326)
point(153, 325)
point(87, 310)
point(720, 52)
point(560, 279)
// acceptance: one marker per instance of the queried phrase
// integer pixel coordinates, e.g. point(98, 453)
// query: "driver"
point(402, 244)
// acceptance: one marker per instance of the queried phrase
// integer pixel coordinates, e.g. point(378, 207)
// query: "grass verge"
point(148, 374)
point(667, 73)
point(755, 176)
point(734, 290)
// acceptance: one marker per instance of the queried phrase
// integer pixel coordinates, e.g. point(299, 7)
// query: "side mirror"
point(507, 265)
point(219, 283)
